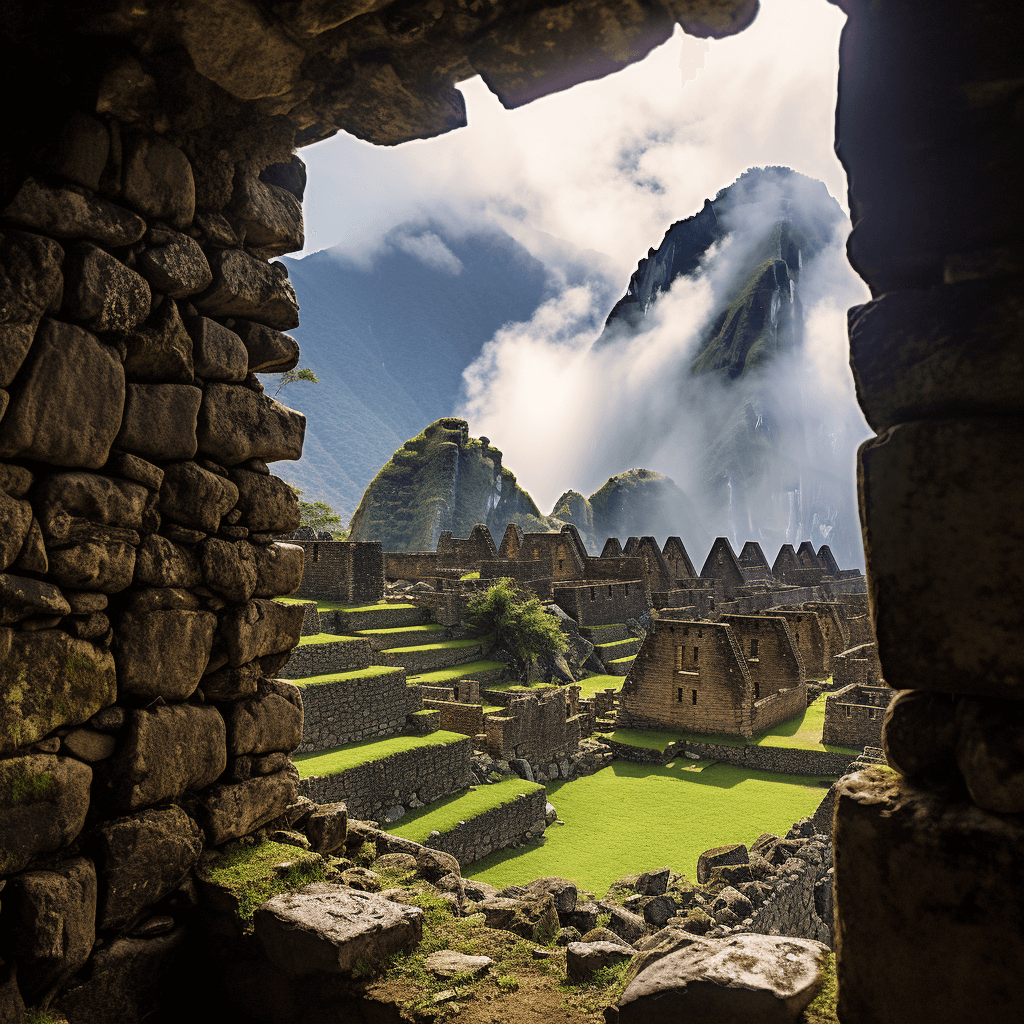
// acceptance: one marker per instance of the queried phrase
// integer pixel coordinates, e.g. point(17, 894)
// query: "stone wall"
point(538, 729)
point(321, 659)
point(853, 716)
point(858, 666)
point(428, 659)
point(424, 774)
point(338, 570)
point(412, 565)
point(358, 708)
point(467, 719)
point(496, 829)
point(601, 603)
point(810, 640)
point(772, 659)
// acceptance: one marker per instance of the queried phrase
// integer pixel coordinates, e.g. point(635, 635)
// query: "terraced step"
point(431, 657)
point(324, 653)
point(483, 671)
point(618, 649)
point(620, 666)
point(375, 775)
point(352, 618)
point(606, 634)
point(400, 636)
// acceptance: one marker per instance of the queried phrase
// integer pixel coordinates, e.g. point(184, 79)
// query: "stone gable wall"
point(854, 714)
point(603, 603)
point(346, 571)
point(537, 729)
point(806, 630)
point(457, 717)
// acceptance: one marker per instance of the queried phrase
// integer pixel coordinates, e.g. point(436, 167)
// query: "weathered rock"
point(733, 901)
point(162, 563)
point(263, 723)
point(562, 891)
point(990, 752)
point(919, 735)
point(229, 811)
point(101, 292)
point(51, 917)
point(107, 566)
point(653, 883)
point(533, 918)
point(140, 859)
point(87, 744)
point(160, 421)
point(269, 216)
point(160, 350)
point(96, 497)
point(30, 283)
point(131, 467)
point(15, 480)
point(165, 752)
point(625, 924)
point(80, 151)
point(50, 679)
point(446, 963)
point(52, 417)
point(43, 803)
point(718, 857)
point(260, 628)
point(194, 496)
point(656, 947)
point(584, 959)
point(228, 684)
point(156, 178)
point(435, 864)
point(658, 909)
point(229, 568)
point(327, 827)
point(246, 287)
point(269, 351)
point(743, 978)
point(236, 424)
point(945, 889)
point(163, 653)
point(173, 264)
point(217, 353)
point(267, 503)
point(323, 927)
point(15, 522)
point(32, 557)
point(278, 569)
point(21, 598)
point(66, 213)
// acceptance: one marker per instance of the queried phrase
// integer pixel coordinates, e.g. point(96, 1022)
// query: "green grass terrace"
point(339, 677)
point(351, 755)
point(324, 638)
point(466, 671)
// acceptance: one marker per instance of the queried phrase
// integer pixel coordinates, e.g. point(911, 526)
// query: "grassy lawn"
point(592, 684)
point(683, 812)
point(324, 638)
point(475, 575)
point(444, 814)
point(432, 628)
point(444, 645)
point(446, 675)
point(802, 732)
point(337, 677)
point(330, 762)
point(622, 661)
point(609, 648)
point(336, 606)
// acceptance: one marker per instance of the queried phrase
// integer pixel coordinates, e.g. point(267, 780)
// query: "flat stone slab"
point(765, 979)
point(446, 963)
point(324, 927)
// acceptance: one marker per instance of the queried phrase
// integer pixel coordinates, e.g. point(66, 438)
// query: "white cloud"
point(429, 249)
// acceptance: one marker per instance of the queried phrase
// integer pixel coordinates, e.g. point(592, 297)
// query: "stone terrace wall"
point(858, 666)
point(412, 565)
point(537, 729)
point(602, 603)
point(457, 717)
point(322, 659)
point(346, 571)
point(357, 709)
point(425, 774)
point(854, 714)
point(779, 707)
point(496, 829)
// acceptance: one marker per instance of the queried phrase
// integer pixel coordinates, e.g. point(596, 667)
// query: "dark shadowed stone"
point(760, 978)
point(291, 175)
point(96, 497)
point(263, 723)
point(269, 216)
point(160, 350)
point(227, 684)
point(50, 679)
point(51, 916)
point(720, 856)
point(259, 628)
point(625, 924)
point(164, 752)
point(32, 557)
point(236, 424)
point(278, 569)
point(173, 263)
point(131, 467)
point(160, 421)
point(15, 480)
point(194, 496)
point(140, 859)
point(21, 597)
point(945, 896)
point(162, 563)
point(163, 653)
point(918, 735)
point(87, 744)
point(12, 1006)
point(584, 959)
point(229, 811)
point(990, 752)
point(267, 503)
point(66, 213)
point(229, 568)
point(217, 353)
point(323, 927)
point(658, 909)
point(244, 286)
point(435, 864)
point(562, 890)
point(15, 521)
point(156, 178)
point(653, 883)
point(66, 408)
point(80, 151)
point(269, 351)
point(107, 566)
point(43, 803)
point(327, 827)
point(101, 292)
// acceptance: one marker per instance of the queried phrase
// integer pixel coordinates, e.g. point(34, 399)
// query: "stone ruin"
point(149, 147)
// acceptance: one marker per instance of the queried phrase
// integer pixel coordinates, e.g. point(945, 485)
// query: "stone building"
point(338, 570)
point(854, 714)
point(810, 640)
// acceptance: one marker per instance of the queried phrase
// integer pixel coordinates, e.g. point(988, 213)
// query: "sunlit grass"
point(330, 762)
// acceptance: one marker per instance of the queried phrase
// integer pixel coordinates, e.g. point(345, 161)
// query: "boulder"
point(267, 503)
point(228, 567)
point(260, 628)
point(87, 744)
point(217, 353)
point(656, 947)
point(50, 679)
point(160, 421)
point(533, 918)
point(584, 959)
point(237, 424)
point(160, 350)
point(156, 178)
point(228, 684)
point(761, 978)
point(51, 918)
point(98, 497)
point(52, 417)
point(43, 803)
point(246, 287)
point(80, 151)
point(990, 752)
point(101, 292)
point(653, 883)
point(919, 735)
point(163, 653)
point(327, 827)
point(160, 562)
point(733, 901)
point(15, 522)
point(446, 963)
point(270, 217)
point(173, 263)
point(269, 351)
point(606, 935)
point(164, 753)
point(719, 856)
point(229, 810)
point(329, 928)
point(140, 859)
point(435, 864)
point(278, 569)
point(561, 890)
point(21, 597)
point(196, 497)
point(658, 909)
point(106, 566)
point(626, 924)
point(263, 723)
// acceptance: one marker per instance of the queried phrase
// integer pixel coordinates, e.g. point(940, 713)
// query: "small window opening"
point(757, 690)
point(609, 591)
point(696, 654)
point(680, 695)
point(693, 696)
point(753, 648)
point(560, 563)
point(592, 594)
point(316, 552)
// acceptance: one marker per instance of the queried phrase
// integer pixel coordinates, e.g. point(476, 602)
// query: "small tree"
point(296, 374)
point(319, 516)
point(518, 622)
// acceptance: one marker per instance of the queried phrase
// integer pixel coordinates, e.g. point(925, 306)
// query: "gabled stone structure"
point(511, 542)
point(810, 640)
point(722, 566)
point(654, 568)
point(854, 714)
point(678, 560)
point(754, 565)
point(338, 570)
point(612, 548)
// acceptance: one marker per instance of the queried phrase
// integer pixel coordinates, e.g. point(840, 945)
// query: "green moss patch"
point(444, 814)
point(331, 762)
point(467, 671)
point(683, 812)
point(324, 638)
point(337, 677)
